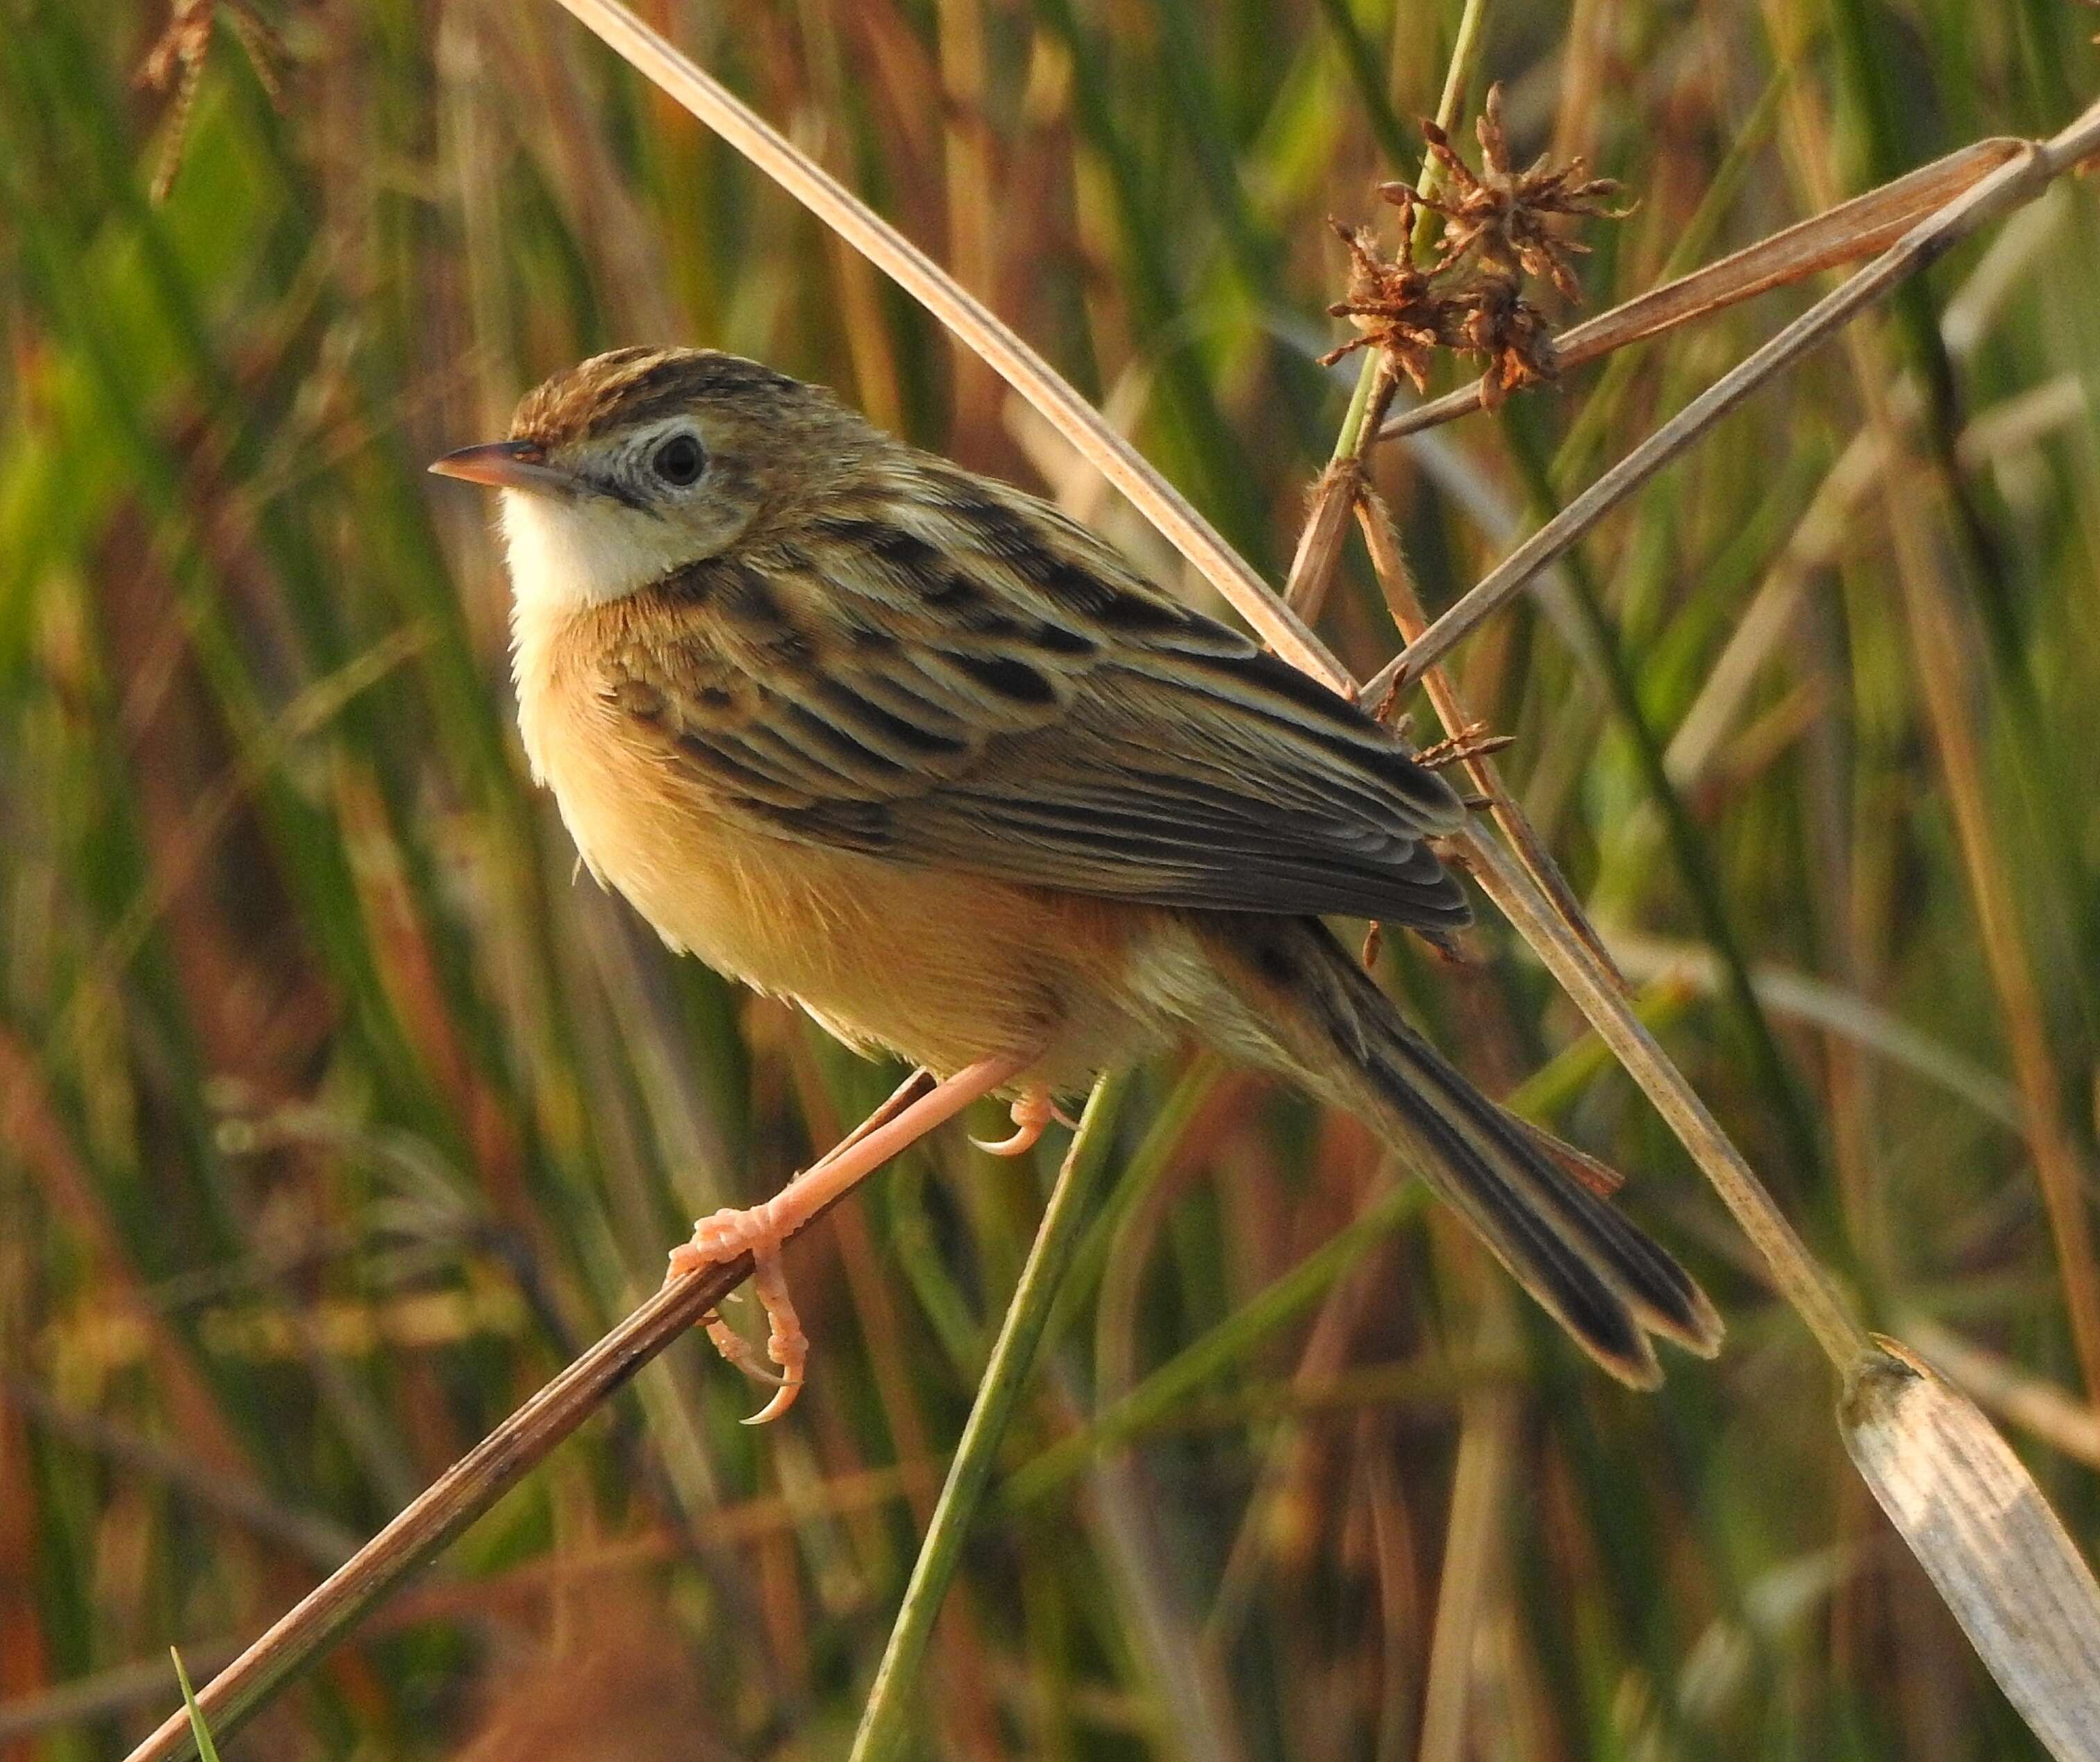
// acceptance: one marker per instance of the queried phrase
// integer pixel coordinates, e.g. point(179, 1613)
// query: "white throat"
point(568, 556)
point(565, 558)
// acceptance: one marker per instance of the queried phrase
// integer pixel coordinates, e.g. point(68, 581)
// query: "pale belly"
point(942, 969)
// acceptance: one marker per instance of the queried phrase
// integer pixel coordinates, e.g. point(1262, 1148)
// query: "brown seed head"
point(1500, 213)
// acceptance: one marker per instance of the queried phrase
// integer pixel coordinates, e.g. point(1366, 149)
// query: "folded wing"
point(991, 689)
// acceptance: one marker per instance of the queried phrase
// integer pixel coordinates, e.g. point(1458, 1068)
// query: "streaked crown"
point(630, 387)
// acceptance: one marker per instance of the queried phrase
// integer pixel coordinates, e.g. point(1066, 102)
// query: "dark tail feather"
point(1604, 1281)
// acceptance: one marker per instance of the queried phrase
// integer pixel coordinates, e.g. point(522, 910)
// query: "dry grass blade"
point(1844, 234)
point(1969, 1512)
point(2019, 180)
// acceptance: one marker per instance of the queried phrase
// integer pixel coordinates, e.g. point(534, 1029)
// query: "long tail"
point(1325, 1022)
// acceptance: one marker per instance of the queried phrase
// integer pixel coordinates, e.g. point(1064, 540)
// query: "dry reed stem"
point(1396, 580)
point(1844, 234)
point(1795, 1271)
point(2019, 180)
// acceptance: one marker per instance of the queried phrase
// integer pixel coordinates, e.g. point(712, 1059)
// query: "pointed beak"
point(505, 465)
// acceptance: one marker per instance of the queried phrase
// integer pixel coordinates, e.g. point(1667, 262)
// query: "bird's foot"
point(913, 1111)
point(758, 1232)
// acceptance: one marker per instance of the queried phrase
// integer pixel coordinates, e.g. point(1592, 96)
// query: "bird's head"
point(643, 461)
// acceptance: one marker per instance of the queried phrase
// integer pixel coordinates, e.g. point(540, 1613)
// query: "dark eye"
point(679, 461)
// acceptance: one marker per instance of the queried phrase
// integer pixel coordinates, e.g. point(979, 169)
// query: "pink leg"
point(760, 1232)
point(1031, 1114)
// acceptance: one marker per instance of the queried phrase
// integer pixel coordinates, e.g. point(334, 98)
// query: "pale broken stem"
point(1795, 1271)
point(2017, 181)
point(1841, 235)
point(996, 343)
point(2040, 1409)
point(1389, 563)
point(2000, 1558)
point(1334, 496)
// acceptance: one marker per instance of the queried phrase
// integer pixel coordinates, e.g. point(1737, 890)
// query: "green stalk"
point(883, 1724)
point(1351, 439)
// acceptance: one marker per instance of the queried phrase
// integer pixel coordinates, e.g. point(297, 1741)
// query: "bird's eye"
point(679, 462)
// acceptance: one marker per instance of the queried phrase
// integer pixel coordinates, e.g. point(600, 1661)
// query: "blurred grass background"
point(338, 1114)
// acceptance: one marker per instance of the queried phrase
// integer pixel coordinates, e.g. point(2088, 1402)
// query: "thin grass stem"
point(884, 1722)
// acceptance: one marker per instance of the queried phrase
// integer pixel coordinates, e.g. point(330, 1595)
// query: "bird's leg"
point(1032, 1113)
point(760, 1232)
point(727, 1341)
point(919, 1082)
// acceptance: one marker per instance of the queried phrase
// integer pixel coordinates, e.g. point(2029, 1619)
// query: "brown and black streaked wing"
point(995, 692)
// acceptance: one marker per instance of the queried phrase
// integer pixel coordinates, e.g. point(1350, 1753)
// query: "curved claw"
point(1021, 1142)
point(785, 1343)
point(783, 1398)
point(1032, 1114)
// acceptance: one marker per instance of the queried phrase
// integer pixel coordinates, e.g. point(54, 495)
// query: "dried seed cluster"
point(1495, 235)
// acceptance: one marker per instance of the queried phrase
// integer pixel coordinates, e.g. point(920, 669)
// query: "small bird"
point(911, 748)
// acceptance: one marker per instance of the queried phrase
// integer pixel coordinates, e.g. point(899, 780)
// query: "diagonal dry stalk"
point(1396, 581)
point(1843, 234)
point(451, 1502)
point(967, 317)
